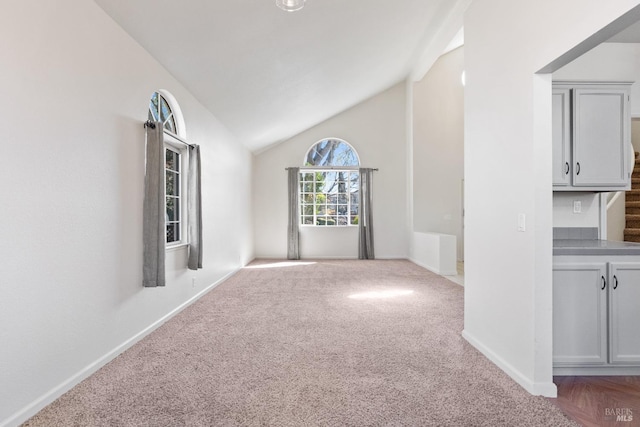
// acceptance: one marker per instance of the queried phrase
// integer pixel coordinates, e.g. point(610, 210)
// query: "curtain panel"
point(194, 209)
point(153, 222)
point(293, 229)
point(365, 223)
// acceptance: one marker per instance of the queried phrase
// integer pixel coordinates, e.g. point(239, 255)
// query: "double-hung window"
point(329, 185)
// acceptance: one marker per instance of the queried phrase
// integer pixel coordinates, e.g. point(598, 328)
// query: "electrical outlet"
point(193, 282)
point(577, 206)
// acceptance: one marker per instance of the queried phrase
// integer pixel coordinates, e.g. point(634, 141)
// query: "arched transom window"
point(329, 183)
point(160, 111)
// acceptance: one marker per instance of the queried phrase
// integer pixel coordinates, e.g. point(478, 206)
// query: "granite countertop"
point(594, 247)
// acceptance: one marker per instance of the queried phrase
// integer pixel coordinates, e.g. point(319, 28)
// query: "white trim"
point(536, 389)
point(173, 143)
point(177, 112)
point(49, 397)
point(432, 269)
point(602, 220)
point(175, 247)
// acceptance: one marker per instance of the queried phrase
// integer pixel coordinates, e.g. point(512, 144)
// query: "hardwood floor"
point(600, 401)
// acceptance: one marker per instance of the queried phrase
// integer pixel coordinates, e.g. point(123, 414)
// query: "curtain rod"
point(336, 168)
point(152, 125)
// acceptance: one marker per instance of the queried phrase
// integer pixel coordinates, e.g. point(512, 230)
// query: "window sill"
point(175, 247)
point(328, 226)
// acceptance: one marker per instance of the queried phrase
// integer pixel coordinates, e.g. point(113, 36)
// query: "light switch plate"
point(521, 222)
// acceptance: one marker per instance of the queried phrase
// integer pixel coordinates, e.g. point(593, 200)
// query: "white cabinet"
point(579, 314)
point(624, 298)
point(561, 125)
point(596, 313)
point(596, 120)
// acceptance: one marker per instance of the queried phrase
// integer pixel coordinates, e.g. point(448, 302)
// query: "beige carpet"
point(331, 343)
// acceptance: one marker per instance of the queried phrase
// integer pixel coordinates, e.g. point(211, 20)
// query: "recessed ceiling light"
point(290, 5)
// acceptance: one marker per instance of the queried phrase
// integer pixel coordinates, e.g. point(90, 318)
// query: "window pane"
point(153, 107)
point(172, 160)
point(331, 152)
point(165, 111)
point(173, 209)
point(170, 124)
point(173, 233)
point(173, 184)
point(307, 220)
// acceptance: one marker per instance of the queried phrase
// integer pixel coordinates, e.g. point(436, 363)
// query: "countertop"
point(594, 247)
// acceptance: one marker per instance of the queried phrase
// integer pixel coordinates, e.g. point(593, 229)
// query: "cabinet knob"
point(604, 283)
point(566, 165)
point(615, 282)
point(578, 168)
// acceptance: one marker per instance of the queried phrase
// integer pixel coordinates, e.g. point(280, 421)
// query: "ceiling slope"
point(267, 74)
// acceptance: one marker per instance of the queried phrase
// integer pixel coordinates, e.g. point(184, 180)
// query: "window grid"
point(173, 195)
point(329, 197)
point(159, 110)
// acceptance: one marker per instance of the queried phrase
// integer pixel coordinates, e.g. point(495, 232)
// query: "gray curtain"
point(365, 247)
point(194, 209)
point(153, 222)
point(293, 232)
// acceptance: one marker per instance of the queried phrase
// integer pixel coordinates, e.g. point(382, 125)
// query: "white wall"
point(75, 92)
point(616, 220)
point(438, 148)
point(376, 129)
point(635, 134)
point(508, 296)
point(564, 216)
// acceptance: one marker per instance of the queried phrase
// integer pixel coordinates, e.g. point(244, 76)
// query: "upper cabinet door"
point(561, 125)
point(600, 136)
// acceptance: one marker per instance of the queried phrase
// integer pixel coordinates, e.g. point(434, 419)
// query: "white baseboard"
point(537, 389)
point(433, 269)
point(597, 371)
point(48, 398)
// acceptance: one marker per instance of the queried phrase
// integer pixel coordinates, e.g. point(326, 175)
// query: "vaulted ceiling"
point(267, 74)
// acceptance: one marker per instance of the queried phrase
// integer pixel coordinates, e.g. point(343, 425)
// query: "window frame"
point(174, 140)
point(351, 169)
point(173, 143)
point(303, 191)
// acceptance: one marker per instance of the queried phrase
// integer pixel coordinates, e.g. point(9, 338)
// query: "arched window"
point(164, 108)
point(332, 152)
point(329, 183)
point(160, 111)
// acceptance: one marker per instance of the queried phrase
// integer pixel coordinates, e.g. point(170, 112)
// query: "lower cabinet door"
point(580, 314)
point(624, 324)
